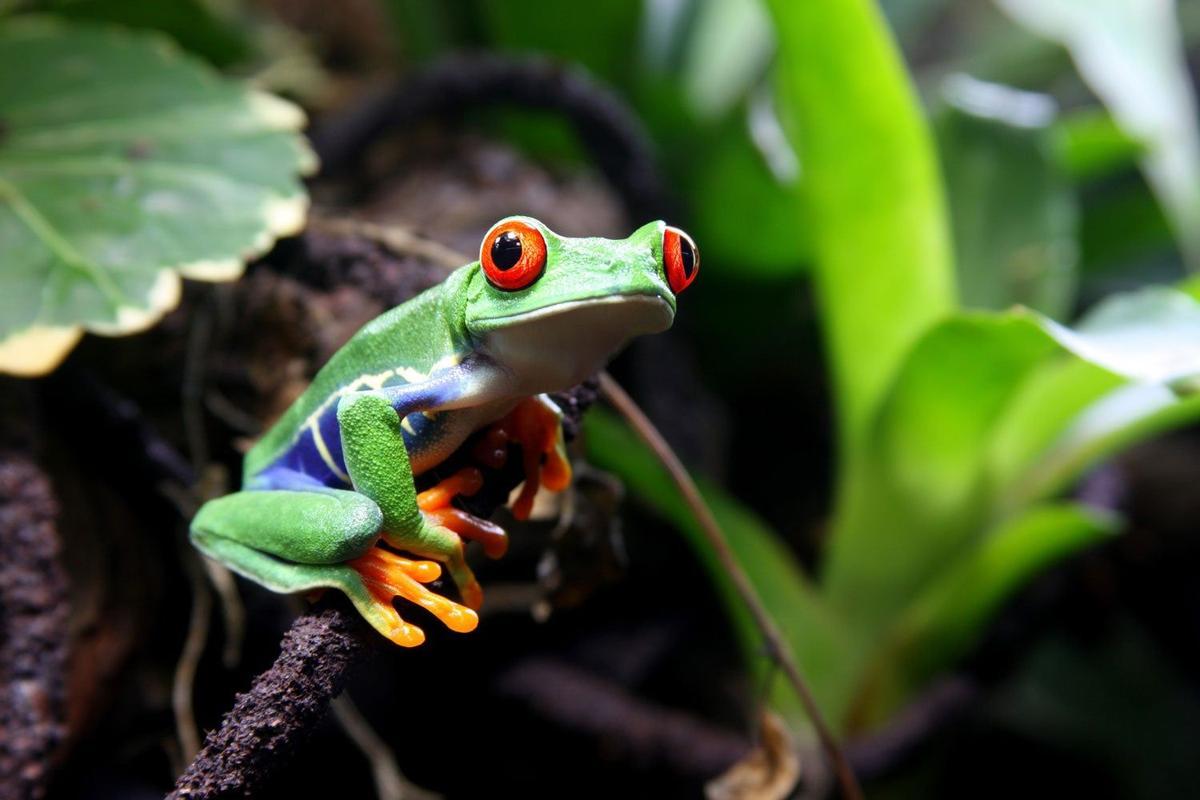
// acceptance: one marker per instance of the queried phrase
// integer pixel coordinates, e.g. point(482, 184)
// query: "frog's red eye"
point(513, 255)
point(681, 259)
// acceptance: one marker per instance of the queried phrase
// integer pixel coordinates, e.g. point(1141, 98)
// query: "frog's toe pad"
point(388, 576)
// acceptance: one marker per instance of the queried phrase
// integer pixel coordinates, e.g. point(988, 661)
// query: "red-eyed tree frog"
point(328, 496)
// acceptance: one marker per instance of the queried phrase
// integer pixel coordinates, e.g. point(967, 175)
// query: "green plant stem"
point(777, 645)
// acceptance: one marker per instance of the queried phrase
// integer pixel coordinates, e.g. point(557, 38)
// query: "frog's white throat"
point(556, 347)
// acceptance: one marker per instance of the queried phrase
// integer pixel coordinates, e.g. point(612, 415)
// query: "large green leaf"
point(936, 474)
point(874, 201)
point(1131, 54)
point(124, 164)
point(816, 638)
point(948, 616)
point(1014, 210)
point(921, 496)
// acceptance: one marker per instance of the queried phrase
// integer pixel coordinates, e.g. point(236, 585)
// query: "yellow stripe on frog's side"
point(326, 456)
point(367, 381)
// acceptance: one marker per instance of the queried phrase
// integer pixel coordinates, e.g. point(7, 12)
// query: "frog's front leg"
point(378, 465)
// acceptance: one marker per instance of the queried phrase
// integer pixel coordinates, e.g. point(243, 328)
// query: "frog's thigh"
point(326, 526)
point(377, 460)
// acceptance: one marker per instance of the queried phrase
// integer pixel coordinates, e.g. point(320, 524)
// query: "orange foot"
point(388, 576)
point(536, 425)
point(435, 505)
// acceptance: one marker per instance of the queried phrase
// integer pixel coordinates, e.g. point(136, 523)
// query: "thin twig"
point(182, 688)
point(390, 783)
point(779, 651)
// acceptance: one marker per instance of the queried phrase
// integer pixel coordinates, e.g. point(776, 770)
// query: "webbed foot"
point(387, 576)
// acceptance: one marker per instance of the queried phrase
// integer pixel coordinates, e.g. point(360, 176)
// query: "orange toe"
point(388, 576)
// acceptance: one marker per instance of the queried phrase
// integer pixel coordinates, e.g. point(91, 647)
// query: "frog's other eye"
point(513, 255)
point(681, 259)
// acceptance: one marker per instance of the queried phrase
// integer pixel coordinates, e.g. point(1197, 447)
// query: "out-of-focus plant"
point(125, 164)
point(959, 430)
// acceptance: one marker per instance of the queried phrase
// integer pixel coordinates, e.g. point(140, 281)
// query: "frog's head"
point(556, 309)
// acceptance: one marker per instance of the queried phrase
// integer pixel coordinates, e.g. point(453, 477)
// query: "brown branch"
point(777, 646)
point(587, 704)
point(283, 705)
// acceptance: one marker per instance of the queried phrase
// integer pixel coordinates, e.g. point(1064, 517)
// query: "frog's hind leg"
point(297, 541)
point(377, 461)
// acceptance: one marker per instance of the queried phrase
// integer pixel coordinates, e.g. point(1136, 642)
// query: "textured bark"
point(283, 705)
point(33, 629)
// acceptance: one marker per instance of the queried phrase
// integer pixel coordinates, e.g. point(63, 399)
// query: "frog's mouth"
point(559, 345)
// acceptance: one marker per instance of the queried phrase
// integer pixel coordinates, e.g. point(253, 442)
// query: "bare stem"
point(777, 647)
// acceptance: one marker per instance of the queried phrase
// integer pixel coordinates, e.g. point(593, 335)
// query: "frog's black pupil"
point(688, 255)
point(506, 251)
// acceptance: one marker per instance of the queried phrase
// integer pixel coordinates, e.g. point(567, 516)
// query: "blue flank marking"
point(304, 459)
point(331, 434)
point(302, 466)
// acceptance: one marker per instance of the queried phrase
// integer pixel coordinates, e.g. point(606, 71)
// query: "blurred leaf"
point(1122, 227)
point(744, 217)
point(1046, 404)
point(1076, 416)
point(1120, 419)
point(908, 18)
point(1013, 210)
point(926, 491)
point(947, 618)
point(600, 36)
point(191, 23)
point(873, 193)
point(920, 498)
point(1089, 144)
point(770, 771)
point(1150, 335)
point(124, 164)
point(816, 637)
point(1131, 54)
point(727, 53)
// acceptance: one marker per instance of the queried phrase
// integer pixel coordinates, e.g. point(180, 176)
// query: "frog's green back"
point(401, 345)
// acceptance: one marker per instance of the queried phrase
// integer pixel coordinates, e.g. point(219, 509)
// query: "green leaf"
point(737, 192)
point(816, 638)
point(600, 36)
point(1120, 419)
point(194, 25)
point(1090, 144)
point(1014, 211)
point(873, 194)
point(1047, 404)
point(124, 164)
point(946, 619)
point(1151, 335)
point(921, 497)
point(950, 451)
point(1130, 52)
point(727, 52)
